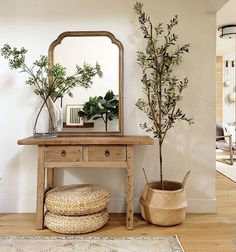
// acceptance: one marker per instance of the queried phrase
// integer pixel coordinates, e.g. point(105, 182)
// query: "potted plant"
point(50, 83)
point(105, 108)
point(163, 202)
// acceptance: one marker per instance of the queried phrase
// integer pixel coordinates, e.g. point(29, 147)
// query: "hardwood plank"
point(199, 232)
point(117, 140)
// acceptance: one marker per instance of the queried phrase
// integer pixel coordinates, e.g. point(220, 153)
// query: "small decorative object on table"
point(76, 209)
point(72, 115)
point(50, 83)
point(163, 91)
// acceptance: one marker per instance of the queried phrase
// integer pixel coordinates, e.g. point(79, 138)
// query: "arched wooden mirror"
point(76, 48)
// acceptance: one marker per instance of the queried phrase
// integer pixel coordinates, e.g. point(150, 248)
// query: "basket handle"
point(185, 179)
point(145, 175)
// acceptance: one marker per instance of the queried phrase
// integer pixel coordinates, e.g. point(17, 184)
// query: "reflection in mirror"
point(96, 108)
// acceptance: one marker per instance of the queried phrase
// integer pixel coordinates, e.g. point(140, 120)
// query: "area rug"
point(227, 170)
point(90, 244)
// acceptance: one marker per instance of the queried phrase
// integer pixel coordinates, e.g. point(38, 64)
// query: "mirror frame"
point(121, 76)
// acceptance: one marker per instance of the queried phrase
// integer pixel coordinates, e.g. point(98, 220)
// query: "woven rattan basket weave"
point(76, 224)
point(76, 199)
point(164, 207)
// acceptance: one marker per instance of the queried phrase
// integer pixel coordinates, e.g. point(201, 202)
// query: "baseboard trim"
point(117, 205)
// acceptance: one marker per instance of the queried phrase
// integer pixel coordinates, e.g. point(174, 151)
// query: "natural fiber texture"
point(76, 199)
point(168, 185)
point(91, 244)
point(164, 207)
point(76, 224)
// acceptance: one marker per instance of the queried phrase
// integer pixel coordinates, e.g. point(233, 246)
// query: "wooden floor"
point(200, 232)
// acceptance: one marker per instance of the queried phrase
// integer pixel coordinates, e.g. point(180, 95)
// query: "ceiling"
point(226, 15)
point(212, 6)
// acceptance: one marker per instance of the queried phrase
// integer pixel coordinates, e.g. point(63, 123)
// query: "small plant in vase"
point(105, 108)
point(163, 91)
point(49, 91)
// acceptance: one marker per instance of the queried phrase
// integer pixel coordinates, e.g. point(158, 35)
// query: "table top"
point(88, 140)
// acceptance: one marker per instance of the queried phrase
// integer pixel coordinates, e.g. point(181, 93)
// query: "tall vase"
point(59, 116)
point(45, 123)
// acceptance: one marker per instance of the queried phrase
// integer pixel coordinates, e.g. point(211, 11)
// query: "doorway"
point(226, 90)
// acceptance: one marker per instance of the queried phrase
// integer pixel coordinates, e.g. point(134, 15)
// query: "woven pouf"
point(76, 224)
point(76, 200)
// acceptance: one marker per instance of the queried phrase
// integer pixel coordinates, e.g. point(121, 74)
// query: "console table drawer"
point(106, 153)
point(63, 154)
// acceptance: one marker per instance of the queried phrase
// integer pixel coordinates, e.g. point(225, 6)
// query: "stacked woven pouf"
point(76, 209)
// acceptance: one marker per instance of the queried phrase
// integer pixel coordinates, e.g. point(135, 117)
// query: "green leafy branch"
point(41, 72)
point(162, 89)
point(98, 107)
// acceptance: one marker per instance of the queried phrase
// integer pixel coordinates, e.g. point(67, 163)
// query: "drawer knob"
point(107, 153)
point(63, 153)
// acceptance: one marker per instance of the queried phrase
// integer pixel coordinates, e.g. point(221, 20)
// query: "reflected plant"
point(98, 107)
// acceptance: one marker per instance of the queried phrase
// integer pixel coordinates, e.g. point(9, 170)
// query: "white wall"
point(35, 24)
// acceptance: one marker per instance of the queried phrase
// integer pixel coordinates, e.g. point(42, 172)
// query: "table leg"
point(50, 178)
point(40, 189)
point(129, 188)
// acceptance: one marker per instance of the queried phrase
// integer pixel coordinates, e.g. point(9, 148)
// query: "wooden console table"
point(94, 152)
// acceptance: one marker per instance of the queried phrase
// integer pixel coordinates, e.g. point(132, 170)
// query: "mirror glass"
point(104, 93)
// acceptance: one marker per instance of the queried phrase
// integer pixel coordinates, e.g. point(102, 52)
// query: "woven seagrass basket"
point(76, 224)
point(76, 199)
point(163, 207)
